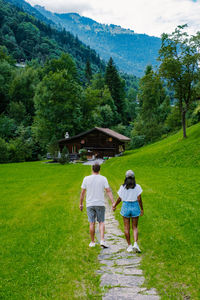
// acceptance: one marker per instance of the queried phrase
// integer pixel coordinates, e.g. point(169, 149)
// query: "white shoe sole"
point(129, 251)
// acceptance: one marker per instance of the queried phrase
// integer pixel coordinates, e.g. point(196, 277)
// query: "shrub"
point(4, 157)
point(53, 148)
point(64, 156)
point(83, 153)
point(19, 150)
point(137, 141)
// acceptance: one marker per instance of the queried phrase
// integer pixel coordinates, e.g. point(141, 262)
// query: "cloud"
point(65, 6)
point(143, 16)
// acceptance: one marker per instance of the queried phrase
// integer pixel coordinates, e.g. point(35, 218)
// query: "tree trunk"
point(184, 123)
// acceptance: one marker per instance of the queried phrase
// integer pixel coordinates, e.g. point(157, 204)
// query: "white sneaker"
point(92, 244)
point(136, 248)
point(103, 244)
point(130, 248)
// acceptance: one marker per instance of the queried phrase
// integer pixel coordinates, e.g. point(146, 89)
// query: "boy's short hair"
point(96, 168)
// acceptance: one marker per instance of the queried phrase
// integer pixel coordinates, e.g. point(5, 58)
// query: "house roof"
point(107, 131)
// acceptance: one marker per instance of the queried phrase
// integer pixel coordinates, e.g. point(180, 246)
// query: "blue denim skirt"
point(130, 209)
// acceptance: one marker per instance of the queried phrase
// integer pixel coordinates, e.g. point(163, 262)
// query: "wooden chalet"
point(99, 143)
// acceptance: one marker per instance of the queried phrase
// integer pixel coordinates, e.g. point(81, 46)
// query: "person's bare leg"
point(92, 231)
point(101, 230)
point(127, 229)
point(135, 228)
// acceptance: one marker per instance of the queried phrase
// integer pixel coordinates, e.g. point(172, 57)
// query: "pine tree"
point(116, 86)
point(88, 72)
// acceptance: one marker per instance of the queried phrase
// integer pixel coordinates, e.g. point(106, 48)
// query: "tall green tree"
point(6, 73)
point(154, 107)
point(21, 92)
point(179, 56)
point(58, 106)
point(98, 108)
point(88, 72)
point(116, 86)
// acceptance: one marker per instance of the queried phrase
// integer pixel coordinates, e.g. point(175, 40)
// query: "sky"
point(143, 16)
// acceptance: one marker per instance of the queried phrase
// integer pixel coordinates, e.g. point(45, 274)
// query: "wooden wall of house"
point(98, 142)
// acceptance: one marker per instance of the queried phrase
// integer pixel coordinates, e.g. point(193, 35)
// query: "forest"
point(51, 83)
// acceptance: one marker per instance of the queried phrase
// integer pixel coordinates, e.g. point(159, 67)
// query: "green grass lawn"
point(169, 232)
point(44, 236)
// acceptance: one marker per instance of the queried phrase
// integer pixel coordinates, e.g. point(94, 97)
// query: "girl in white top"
point(132, 208)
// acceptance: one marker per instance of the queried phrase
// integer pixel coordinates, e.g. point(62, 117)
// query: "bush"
point(4, 156)
point(83, 153)
point(64, 156)
point(137, 141)
point(53, 148)
point(7, 127)
point(19, 150)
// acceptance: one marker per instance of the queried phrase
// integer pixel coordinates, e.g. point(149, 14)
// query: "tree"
point(6, 72)
point(88, 72)
point(179, 58)
point(53, 147)
point(64, 156)
point(153, 107)
point(116, 87)
point(58, 107)
point(21, 92)
point(98, 108)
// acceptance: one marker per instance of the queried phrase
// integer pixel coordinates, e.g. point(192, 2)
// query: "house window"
point(110, 139)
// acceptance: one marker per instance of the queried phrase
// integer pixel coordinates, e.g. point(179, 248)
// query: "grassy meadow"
point(169, 231)
point(44, 236)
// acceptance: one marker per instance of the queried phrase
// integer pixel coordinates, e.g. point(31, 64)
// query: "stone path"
point(92, 162)
point(121, 276)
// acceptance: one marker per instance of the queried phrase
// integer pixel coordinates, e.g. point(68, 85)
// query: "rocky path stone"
point(121, 276)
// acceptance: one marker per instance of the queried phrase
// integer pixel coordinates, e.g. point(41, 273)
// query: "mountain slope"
point(130, 51)
point(28, 38)
point(168, 172)
point(23, 5)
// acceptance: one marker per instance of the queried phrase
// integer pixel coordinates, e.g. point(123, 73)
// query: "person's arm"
point(110, 195)
point(141, 205)
point(82, 195)
point(116, 203)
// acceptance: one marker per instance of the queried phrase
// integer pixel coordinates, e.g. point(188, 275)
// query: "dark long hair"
point(129, 182)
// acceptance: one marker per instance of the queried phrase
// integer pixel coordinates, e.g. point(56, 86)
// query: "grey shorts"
point(96, 212)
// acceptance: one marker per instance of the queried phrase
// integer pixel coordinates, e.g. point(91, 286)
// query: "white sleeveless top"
point(129, 195)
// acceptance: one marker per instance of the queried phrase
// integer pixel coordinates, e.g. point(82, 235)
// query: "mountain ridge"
point(131, 51)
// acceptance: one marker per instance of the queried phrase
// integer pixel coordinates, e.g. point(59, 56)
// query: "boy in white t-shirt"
point(94, 186)
point(132, 208)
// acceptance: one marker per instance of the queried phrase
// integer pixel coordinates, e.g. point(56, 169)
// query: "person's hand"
point(141, 212)
point(113, 207)
point(81, 207)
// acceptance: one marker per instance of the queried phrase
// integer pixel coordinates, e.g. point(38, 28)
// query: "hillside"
point(28, 38)
point(25, 6)
point(169, 173)
point(173, 151)
point(132, 52)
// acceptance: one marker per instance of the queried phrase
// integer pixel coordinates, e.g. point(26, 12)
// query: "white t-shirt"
point(129, 195)
point(95, 185)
